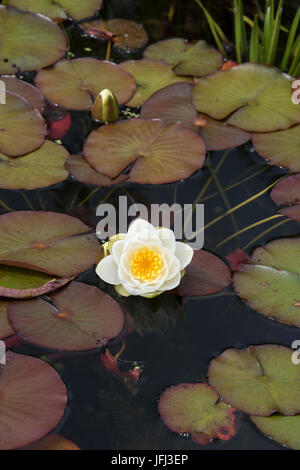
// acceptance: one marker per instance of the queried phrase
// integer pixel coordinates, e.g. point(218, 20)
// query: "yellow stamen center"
point(146, 265)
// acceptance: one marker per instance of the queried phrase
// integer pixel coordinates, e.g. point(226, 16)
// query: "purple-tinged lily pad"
point(157, 152)
point(22, 128)
point(29, 92)
point(59, 10)
point(52, 442)
point(125, 34)
point(48, 242)
point(280, 148)
point(251, 96)
point(194, 408)
point(76, 83)
point(270, 283)
point(38, 169)
point(197, 59)
point(206, 274)
point(19, 283)
point(28, 41)
point(174, 104)
point(32, 400)
point(78, 318)
point(78, 167)
point(258, 380)
point(287, 192)
point(5, 327)
point(150, 76)
point(283, 429)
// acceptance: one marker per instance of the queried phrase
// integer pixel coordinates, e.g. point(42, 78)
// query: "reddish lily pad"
point(5, 327)
point(125, 34)
point(280, 148)
point(78, 318)
point(52, 442)
point(174, 104)
point(206, 274)
point(21, 283)
point(78, 167)
point(29, 92)
point(270, 283)
point(22, 128)
point(251, 96)
point(283, 429)
point(195, 408)
point(57, 10)
point(158, 153)
point(257, 380)
point(150, 76)
point(287, 191)
point(48, 242)
point(38, 169)
point(25, 39)
point(32, 393)
point(75, 83)
point(197, 59)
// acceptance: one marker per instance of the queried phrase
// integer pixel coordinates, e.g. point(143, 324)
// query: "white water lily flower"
point(146, 261)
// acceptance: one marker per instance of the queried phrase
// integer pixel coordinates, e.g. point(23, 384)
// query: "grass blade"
point(214, 30)
point(268, 23)
point(290, 41)
point(254, 41)
point(296, 62)
point(271, 53)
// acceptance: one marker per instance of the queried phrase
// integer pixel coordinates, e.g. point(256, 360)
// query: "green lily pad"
point(25, 41)
point(197, 59)
point(253, 97)
point(150, 76)
point(38, 169)
point(78, 167)
point(48, 242)
point(206, 274)
point(5, 327)
point(280, 148)
point(258, 380)
point(32, 400)
point(22, 128)
point(270, 283)
point(195, 408)
point(57, 10)
point(125, 34)
point(157, 152)
point(29, 92)
point(174, 104)
point(78, 318)
point(19, 283)
point(75, 83)
point(283, 429)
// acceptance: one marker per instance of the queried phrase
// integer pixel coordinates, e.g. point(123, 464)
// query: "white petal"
point(107, 270)
point(117, 250)
point(171, 283)
point(174, 268)
point(184, 253)
point(167, 238)
point(137, 226)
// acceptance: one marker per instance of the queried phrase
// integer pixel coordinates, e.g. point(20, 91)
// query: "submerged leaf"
point(32, 393)
point(78, 318)
point(52, 442)
point(257, 380)
point(194, 408)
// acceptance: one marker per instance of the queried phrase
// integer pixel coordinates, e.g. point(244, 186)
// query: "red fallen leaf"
point(237, 257)
point(58, 129)
point(100, 34)
point(13, 341)
point(228, 65)
point(111, 365)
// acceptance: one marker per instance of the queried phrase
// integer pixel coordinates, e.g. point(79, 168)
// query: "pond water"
point(103, 411)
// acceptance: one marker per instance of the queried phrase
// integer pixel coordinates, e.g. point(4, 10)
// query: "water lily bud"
point(105, 107)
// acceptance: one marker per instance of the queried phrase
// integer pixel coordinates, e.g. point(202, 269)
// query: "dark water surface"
point(103, 412)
